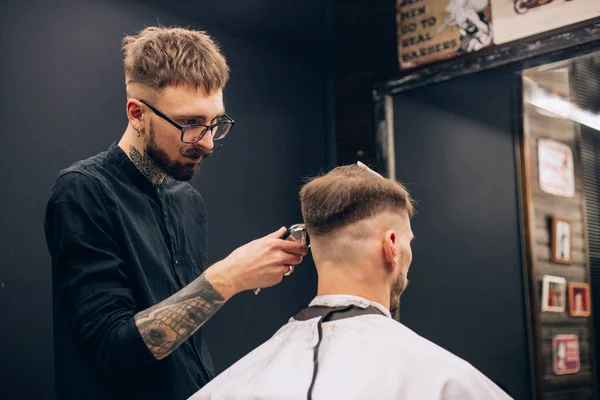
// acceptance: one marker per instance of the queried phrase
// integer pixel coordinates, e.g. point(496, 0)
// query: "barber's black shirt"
point(119, 245)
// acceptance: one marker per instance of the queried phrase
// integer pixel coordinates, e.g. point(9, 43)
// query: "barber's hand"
point(258, 264)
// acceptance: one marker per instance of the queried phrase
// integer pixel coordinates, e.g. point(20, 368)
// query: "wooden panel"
point(543, 254)
point(571, 387)
point(542, 238)
point(573, 272)
point(540, 208)
point(586, 393)
point(563, 323)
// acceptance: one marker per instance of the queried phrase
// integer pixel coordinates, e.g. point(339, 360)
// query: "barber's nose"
point(207, 141)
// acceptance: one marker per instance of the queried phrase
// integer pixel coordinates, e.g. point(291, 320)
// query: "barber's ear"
point(135, 113)
point(389, 247)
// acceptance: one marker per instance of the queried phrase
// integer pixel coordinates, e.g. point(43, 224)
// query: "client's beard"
point(398, 288)
point(175, 169)
point(399, 285)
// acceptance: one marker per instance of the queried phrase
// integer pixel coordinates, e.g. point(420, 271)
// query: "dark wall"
point(364, 53)
point(455, 151)
point(62, 99)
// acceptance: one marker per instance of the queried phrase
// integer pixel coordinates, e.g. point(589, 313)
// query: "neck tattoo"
point(146, 166)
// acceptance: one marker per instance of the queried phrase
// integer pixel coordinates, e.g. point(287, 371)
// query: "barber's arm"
point(260, 263)
point(89, 278)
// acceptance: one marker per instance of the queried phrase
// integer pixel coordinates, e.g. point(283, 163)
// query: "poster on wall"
point(431, 30)
point(557, 174)
point(565, 354)
point(517, 19)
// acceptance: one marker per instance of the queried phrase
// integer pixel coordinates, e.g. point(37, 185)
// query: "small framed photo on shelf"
point(562, 237)
point(579, 299)
point(554, 293)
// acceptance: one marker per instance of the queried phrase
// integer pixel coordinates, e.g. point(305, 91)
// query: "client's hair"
point(349, 194)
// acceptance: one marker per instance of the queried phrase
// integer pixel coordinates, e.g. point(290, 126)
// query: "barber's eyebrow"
point(189, 116)
point(184, 117)
point(201, 117)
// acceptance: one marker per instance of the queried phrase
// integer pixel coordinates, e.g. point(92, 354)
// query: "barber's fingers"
point(289, 259)
point(293, 247)
point(289, 271)
point(277, 234)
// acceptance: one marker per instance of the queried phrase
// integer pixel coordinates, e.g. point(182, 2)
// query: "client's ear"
point(389, 248)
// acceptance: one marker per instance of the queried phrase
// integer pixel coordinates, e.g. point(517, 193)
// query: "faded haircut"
point(163, 56)
point(347, 195)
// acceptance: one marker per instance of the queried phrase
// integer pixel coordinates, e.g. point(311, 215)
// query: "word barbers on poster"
point(430, 30)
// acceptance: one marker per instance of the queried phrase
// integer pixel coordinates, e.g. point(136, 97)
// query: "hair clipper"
point(295, 232)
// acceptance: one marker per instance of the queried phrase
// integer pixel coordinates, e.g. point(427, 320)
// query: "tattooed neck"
point(146, 166)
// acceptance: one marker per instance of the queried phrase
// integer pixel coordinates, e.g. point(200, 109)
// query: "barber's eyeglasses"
point(193, 133)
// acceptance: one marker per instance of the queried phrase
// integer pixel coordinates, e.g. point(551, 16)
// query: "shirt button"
point(165, 214)
point(176, 262)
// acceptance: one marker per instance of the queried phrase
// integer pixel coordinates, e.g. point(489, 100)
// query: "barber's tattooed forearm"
point(168, 324)
point(146, 166)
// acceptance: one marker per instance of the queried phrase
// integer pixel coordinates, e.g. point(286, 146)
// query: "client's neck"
point(352, 280)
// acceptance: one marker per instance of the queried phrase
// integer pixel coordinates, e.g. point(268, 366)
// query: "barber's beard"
point(175, 169)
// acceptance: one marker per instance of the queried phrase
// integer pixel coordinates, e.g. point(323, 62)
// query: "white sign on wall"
point(557, 175)
point(516, 19)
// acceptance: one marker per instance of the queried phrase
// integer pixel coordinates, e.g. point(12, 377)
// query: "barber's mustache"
point(196, 152)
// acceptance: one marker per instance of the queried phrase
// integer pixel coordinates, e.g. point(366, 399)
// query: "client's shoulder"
point(397, 340)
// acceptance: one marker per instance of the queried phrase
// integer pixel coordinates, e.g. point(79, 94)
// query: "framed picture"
point(565, 354)
point(579, 299)
point(562, 235)
point(557, 175)
point(554, 289)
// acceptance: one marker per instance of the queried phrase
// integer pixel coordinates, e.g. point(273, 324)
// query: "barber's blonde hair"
point(349, 194)
point(162, 56)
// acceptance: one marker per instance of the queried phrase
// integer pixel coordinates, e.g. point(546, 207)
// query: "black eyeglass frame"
point(183, 128)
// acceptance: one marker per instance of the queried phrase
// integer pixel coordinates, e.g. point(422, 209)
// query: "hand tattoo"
point(168, 324)
point(147, 167)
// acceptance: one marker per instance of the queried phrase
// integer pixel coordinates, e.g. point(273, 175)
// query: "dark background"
point(297, 67)
point(63, 99)
point(455, 151)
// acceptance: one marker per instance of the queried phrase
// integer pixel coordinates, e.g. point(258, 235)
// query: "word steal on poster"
point(431, 30)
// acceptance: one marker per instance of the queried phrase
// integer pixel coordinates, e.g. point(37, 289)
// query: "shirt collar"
point(338, 300)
